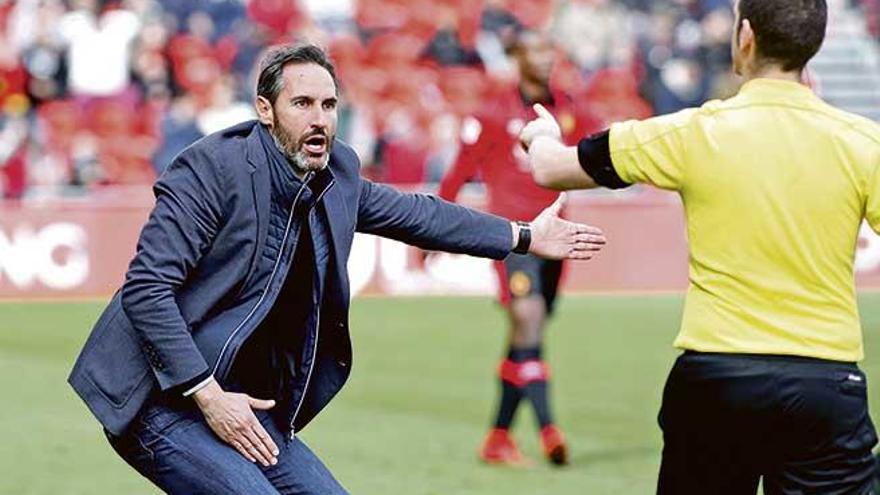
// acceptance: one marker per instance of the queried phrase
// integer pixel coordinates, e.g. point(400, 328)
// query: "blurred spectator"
point(684, 51)
point(149, 65)
point(278, 17)
point(98, 48)
point(197, 61)
point(13, 142)
point(178, 130)
point(454, 33)
point(224, 14)
point(31, 32)
point(596, 33)
point(498, 20)
point(223, 109)
point(101, 92)
point(331, 16)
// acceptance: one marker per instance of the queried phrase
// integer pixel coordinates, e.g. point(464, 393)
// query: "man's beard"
point(292, 149)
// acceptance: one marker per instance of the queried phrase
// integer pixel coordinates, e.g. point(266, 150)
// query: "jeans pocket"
point(162, 419)
point(131, 448)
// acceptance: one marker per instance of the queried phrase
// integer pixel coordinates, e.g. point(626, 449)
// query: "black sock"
point(510, 397)
point(511, 393)
point(537, 393)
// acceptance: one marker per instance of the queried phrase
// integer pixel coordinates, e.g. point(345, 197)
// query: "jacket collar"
point(257, 156)
point(334, 202)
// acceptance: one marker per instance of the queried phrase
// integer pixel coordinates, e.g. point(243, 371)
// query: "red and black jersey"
point(490, 151)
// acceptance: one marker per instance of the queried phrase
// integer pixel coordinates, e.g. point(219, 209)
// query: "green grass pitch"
point(411, 417)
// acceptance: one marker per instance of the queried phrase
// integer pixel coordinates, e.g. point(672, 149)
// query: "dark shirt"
point(274, 362)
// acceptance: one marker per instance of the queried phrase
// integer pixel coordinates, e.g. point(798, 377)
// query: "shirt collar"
point(777, 90)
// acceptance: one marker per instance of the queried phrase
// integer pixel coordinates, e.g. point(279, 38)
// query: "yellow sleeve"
point(872, 208)
point(652, 151)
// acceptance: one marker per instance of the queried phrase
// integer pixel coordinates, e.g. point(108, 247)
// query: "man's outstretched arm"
point(433, 224)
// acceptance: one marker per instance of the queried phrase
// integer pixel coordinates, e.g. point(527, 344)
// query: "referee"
point(775, 185)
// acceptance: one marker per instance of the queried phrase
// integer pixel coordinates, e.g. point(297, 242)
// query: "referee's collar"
point(766, 88)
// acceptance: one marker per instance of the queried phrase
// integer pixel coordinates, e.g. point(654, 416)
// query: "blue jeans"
point(177, 450)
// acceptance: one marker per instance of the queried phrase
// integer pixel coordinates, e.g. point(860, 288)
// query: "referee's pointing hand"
point(544, 125)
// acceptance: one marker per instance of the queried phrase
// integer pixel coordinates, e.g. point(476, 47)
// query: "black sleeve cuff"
point(183, 387)
point(594, 155)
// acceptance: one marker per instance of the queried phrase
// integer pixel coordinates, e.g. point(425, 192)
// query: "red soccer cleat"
point(554, 445)
point(500, 448)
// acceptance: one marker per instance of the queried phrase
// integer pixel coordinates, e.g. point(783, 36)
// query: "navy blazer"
point(190, 290)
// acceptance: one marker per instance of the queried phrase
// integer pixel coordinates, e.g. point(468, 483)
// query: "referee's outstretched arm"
point(557, 166)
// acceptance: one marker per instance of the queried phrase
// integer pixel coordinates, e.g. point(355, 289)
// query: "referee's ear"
point(265, 112)
point(746, 47)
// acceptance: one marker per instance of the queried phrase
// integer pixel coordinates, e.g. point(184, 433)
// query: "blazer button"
point(342, 364)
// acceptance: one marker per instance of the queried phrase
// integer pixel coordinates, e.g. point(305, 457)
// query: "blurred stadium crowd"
point(96, 93)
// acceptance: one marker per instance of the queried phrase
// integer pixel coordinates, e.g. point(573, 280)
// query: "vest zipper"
point(271, 276)
point(314, 346)
point(309, 375)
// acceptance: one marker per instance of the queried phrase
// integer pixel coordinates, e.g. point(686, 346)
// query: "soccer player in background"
point(775, 185)
point(528, 285)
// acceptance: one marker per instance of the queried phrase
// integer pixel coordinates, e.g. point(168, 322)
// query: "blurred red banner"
point(81, 249)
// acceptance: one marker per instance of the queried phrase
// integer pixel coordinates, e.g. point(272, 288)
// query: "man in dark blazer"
point(230, 332)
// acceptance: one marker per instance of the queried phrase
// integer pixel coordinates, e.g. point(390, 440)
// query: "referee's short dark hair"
point(788, 32)
point(271, 80)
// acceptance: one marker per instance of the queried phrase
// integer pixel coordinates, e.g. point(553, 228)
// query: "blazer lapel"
point(258, 161)
point(340, 228)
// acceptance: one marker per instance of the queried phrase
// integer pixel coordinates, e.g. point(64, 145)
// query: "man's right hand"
point(231, 417)
point(556, 239)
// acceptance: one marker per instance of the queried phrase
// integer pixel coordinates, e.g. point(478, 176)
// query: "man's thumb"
point(559, 204)
point(260, 403)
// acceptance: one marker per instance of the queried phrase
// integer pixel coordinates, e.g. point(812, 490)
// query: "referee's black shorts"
point(801, 424)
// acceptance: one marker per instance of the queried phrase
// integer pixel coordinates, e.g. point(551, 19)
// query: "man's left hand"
point(556, 239)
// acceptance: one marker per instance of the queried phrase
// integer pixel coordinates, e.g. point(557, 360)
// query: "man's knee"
point(301, 472)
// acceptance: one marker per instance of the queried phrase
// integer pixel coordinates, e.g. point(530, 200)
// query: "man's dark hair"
point(788, 32)
point(271, 79)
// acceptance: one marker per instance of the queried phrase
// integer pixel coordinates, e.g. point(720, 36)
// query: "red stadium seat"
point(614, 96)
point(61, 121)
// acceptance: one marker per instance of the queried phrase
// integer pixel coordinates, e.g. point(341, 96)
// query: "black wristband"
point(524, 241)
point(594, 155)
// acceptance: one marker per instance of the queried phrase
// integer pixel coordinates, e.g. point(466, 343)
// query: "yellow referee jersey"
point(775, 185)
